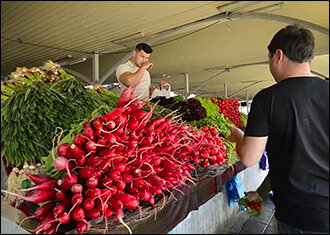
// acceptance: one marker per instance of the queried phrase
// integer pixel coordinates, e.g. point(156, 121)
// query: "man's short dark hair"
point(296, 42)
point(144, 47)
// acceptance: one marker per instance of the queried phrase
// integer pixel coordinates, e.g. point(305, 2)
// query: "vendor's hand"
point(147, 66)
point(252, 195)
point(236, 134)
point(165, 86)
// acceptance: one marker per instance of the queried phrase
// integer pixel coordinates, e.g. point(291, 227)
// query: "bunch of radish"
point(229, 108)
point(119, 160)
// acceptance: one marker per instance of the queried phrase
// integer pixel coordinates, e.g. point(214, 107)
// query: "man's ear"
point(279, 55)
point(134, 53)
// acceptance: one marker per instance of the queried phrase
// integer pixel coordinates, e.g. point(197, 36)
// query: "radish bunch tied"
point(126, 157)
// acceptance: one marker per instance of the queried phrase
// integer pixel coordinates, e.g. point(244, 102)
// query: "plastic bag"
point(263, 163)
point(234, 190)
point(162, 91)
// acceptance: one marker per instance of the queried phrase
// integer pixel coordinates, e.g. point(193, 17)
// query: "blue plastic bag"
point(263, 163)
point(234, 190)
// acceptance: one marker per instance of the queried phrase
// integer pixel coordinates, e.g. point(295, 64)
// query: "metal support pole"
point(226, 90)
point(186, 82)
point(247, 101)
point(96, 68)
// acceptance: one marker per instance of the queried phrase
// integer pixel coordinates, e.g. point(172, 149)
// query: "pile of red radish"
point(121, 159)
point(229, 108)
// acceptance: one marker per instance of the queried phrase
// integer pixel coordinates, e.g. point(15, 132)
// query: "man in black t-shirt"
point(290, 120)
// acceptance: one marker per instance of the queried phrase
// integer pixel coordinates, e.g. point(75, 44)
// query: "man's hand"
point(236, 134)
point(147, 66)
point(165, 86)
point(252, 195)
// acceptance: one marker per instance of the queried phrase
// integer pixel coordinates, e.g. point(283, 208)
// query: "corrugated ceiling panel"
point(88, 26)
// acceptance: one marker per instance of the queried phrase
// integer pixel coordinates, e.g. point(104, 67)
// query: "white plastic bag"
point(162, 91)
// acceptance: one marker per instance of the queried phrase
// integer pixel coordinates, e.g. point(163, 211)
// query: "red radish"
point(80, 140)
point(114, 175)
point(85, 173)
point(125, 97)
point(119, 215)
point(78, 213)
point(76, 151)
point(111, 125)
point(92, 182)
point(37, 196)
point(88, 132)
point(58, 209)
point(129, 201)
point(60, 195)
point(133, 124)
point(108, 212)
point(88, 203)
point(120, 185)
point(76, 188)
point(63, 150)
point(39, 179)
point(47, 185)
point(68, 181)
point(93, 213)
point(127, 178)
point(116, 203)
point(51, 229)
point(45, 223)
point(64, 218)
point(137, 172)
point(91, 147)
point(105, 193)
point(77, 199)
point(41, 211)
point(81, 227)
point(65, 202)
point(119, 166)
point(97, 123)
point(61, 163)
point(92, 192)
point(81, 161)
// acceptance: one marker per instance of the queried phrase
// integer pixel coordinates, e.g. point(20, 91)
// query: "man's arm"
point(133, 79)
point(249, 149)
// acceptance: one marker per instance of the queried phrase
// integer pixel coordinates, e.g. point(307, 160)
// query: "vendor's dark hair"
point(143, 46)
point(296, 42)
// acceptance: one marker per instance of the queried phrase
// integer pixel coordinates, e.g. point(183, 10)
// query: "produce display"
point(120, 159)
point(229, 108)
point(82, 154)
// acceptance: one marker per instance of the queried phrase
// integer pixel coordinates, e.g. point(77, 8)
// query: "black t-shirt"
point(294, 114)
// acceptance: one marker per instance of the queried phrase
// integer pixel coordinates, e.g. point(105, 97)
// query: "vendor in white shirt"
point(135, 72)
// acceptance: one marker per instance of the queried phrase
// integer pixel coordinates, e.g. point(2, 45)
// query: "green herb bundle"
point(29, 117)
point(210, 107)
point(244, 118)
point(218, 121)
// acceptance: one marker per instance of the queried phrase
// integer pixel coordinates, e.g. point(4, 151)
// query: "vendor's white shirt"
point(143, 87)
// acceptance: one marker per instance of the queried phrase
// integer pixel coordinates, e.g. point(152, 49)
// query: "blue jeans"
point(286, 229)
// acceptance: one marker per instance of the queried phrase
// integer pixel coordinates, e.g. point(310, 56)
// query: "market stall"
point(111, 163)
